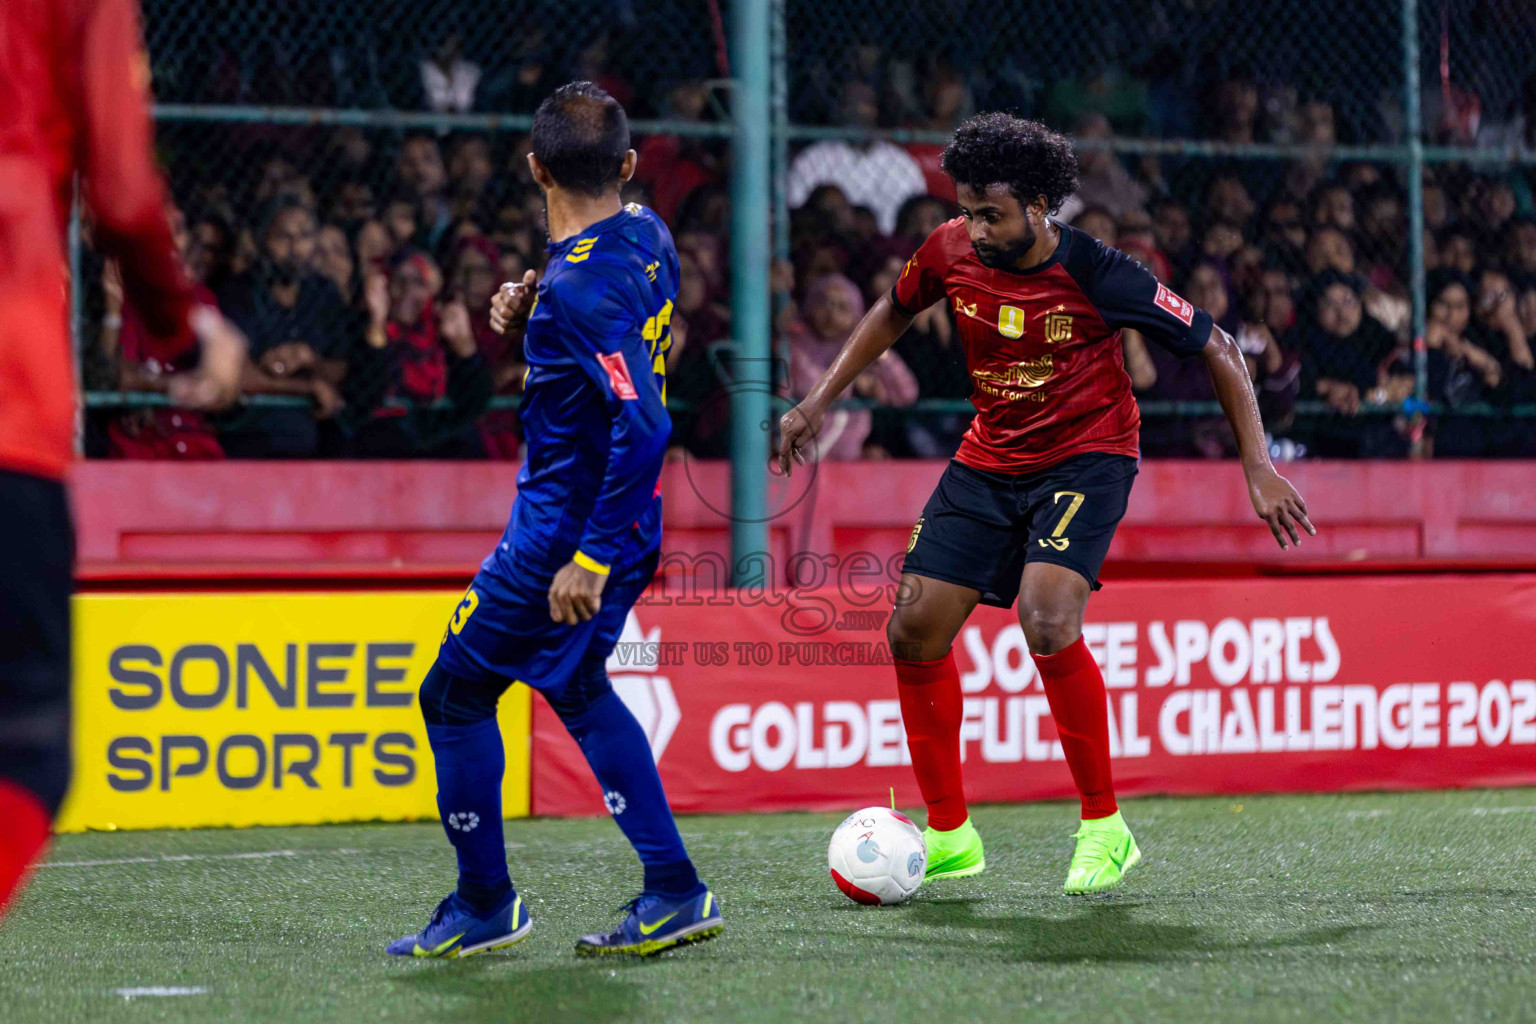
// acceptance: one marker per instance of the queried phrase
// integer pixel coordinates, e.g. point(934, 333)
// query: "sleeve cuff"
point(901, 306)
point(590, 564)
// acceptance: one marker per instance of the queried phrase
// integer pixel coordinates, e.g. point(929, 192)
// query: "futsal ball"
point(877, 856)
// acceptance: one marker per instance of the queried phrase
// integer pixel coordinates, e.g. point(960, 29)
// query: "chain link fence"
point(1260, 158)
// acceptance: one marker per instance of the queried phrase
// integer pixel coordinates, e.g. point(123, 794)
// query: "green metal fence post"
point(1415, 130)
point(780, 139)
point(778, 174)
point(753, 379)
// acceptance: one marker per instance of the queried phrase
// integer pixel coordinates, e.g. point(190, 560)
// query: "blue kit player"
point(548, 604)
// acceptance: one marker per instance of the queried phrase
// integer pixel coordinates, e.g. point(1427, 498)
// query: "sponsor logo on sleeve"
point(618, 375)
point(1171, 302)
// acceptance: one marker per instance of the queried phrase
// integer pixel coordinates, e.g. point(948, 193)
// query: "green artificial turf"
point(1372, 907)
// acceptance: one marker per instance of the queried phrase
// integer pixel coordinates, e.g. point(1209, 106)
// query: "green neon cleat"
point(954, 854)
point(1106, 850)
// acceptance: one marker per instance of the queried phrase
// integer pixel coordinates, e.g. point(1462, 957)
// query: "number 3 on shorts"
point(1056, 540)
point(466, 607)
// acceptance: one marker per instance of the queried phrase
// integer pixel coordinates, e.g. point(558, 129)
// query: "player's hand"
point(215, 384)
point(797, 430)
point(513, 303)
point(576, 594)
point(1278, 504)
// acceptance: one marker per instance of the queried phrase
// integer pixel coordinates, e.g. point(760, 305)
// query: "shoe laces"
point(1093, 843)
point(441, 911)
point(633, 905)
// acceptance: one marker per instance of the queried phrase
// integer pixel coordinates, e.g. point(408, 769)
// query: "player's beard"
point(1005, 255)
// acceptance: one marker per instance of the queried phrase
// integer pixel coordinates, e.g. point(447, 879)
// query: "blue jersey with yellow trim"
point(594, 408)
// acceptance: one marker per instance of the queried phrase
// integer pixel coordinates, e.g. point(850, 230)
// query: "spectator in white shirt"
point(448, 80)
point(875, 174)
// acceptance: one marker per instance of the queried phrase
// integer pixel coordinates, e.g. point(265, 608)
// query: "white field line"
point(1481, 811)
point(170, 858)
point(159, 990)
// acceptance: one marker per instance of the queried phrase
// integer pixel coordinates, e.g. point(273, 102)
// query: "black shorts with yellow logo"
point(980, 528)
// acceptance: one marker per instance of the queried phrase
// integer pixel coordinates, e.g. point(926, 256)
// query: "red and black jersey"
point(74, 97)
point(1043, 345)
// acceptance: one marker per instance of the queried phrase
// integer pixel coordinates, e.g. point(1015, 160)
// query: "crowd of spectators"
point(361, 264)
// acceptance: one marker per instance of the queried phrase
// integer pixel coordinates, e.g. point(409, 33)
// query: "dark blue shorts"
point(501, 631)
point(37, 556)
point(979, 529)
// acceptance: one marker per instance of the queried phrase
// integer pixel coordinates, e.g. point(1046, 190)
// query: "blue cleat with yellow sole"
point(457, 931)
point(654, 923)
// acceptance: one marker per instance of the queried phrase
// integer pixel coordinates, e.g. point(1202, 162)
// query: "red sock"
point(1074, 686)
point(931, 710)
point(22, 839)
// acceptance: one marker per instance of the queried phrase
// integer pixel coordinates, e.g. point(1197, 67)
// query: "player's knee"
point(448, 700)
point(572, 701)
point(912, 635)
point(1050, 627)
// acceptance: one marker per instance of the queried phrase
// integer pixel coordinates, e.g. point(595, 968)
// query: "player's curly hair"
point(580, 135)
point(1025, 155)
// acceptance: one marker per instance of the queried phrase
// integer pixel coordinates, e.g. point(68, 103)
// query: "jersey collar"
point(596, 228)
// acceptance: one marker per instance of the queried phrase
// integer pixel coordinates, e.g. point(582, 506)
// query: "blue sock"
point(620, 756)
point(470, 763)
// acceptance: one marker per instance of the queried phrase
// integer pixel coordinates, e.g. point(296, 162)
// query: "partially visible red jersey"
point(1043, 345)
point(73, 97)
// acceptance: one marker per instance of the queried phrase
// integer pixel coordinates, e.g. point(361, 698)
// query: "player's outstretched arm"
point(1273, 497)
point(873, 335)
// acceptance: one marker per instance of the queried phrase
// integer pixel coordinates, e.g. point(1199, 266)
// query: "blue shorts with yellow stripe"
point(501, 631)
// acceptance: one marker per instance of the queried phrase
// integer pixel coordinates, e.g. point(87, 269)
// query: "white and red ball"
point(877, 856)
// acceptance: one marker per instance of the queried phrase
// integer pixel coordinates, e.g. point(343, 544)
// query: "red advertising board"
point(786, 701)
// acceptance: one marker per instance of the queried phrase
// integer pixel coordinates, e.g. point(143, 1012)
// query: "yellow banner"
point(261, 709)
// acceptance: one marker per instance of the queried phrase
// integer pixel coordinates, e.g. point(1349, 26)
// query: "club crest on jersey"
point(1058, 327)
point(618, 375)
point(1171, 302)
point(1010, 321)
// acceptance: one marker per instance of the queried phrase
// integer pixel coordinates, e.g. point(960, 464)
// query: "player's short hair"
point(580, 135)
point(997, 148)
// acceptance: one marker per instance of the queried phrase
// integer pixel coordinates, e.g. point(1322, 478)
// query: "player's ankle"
point(676, 880)
point(948, 824)
point(1099, 805)
point(484, 897)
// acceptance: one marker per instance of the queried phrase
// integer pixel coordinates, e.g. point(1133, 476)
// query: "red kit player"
point(1030, 503)
point(73, 84)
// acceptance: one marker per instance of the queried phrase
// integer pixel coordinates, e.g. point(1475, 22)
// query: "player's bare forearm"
point(871, 338)
point(1273, 497)
point(1234, 389)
